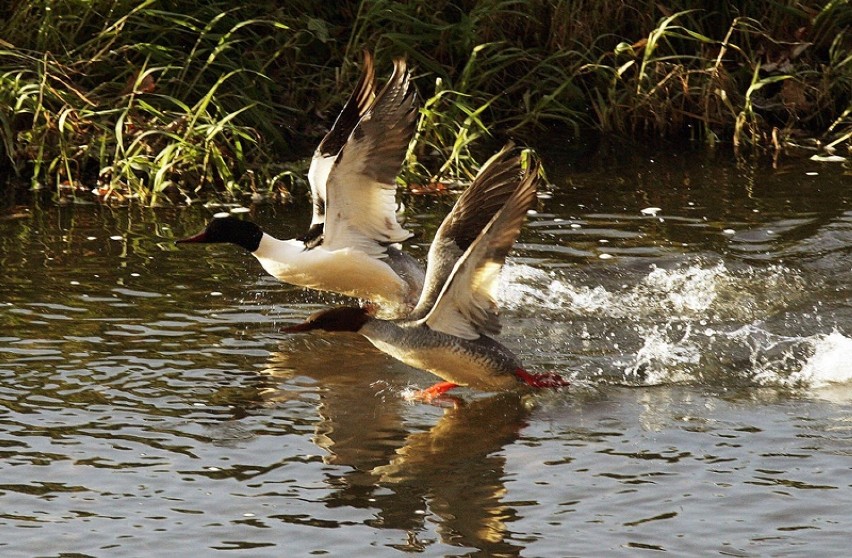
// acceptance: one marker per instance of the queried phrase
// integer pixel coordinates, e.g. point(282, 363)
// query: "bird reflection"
point(452, 470)
point(359, 415)
point(456, 468)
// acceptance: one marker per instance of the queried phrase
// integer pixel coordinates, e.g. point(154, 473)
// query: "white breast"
point(347, 271)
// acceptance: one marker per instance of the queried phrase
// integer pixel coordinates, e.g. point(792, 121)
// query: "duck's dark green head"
point(228, 229)
point(343, 318)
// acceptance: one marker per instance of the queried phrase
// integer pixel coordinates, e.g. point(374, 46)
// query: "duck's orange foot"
point(541, 380)
point(433, 392)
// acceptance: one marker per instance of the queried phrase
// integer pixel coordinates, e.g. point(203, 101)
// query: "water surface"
point(148, 401)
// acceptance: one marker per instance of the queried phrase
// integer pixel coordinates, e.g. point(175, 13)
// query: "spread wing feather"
point(466, 306)
point(361, 188)
point(496, 181)
point(323, 159)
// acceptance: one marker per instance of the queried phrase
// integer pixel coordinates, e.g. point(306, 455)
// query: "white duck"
point(351, 246)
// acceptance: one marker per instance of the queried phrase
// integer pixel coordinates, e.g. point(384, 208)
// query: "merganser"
point(447, 334)
point(351, 246)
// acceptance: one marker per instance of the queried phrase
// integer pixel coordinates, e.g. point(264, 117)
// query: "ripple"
point(709, 410)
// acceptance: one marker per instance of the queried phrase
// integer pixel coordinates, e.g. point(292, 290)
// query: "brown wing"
point(466, 306)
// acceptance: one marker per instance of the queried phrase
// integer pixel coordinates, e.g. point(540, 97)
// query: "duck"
point(449, 332)
point(352, 245)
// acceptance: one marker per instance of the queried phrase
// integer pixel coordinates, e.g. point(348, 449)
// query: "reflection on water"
point(457, 467)
point(396, 471)
point(148, 400)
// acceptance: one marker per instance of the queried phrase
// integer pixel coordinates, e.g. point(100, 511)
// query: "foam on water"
point(677, 352)
point(693, 323)
point(829, 363)
point(692, 290)
point(668, 355)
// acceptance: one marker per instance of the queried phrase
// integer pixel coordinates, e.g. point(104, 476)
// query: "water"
point(148, 402)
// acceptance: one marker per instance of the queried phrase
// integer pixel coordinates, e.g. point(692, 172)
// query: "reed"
point(170, 101)
point(144, 103)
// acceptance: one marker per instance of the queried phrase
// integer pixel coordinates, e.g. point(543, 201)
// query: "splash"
point(669, 355)
point(750, 355)
point(523, 286)
point(829, 364)
point(685, 291)
point(694, 323)
point(690, 291)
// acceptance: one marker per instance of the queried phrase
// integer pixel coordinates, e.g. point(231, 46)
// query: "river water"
point(148, 402)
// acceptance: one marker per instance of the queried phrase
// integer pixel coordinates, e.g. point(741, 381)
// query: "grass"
point(173, 101)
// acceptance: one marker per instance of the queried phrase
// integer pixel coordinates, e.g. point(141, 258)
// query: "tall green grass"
point(736, 72)
point(174, 100)
point(144, 102)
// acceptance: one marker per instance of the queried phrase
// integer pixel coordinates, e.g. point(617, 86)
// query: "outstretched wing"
point(479, 203)
point(354, 109)
point(361, 188)
point(466, 306)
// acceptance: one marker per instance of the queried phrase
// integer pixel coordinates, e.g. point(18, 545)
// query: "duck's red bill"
point(297, 328)
point(200, 237)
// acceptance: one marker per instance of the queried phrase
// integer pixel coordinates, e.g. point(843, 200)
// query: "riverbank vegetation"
point(174, 100)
